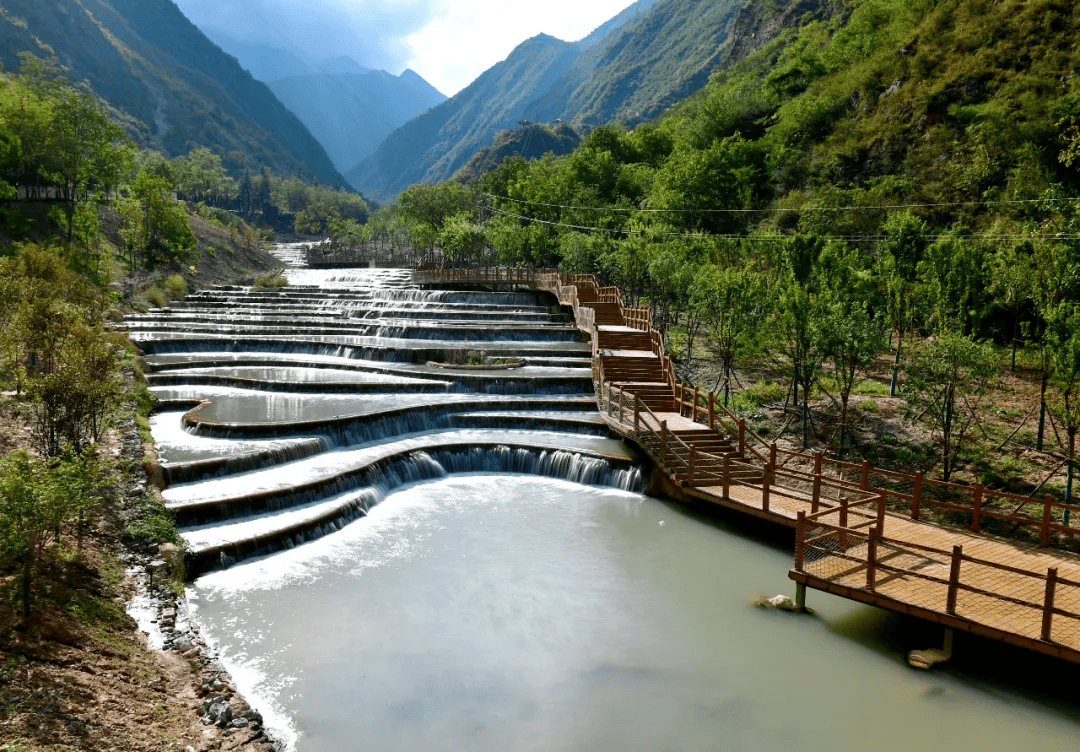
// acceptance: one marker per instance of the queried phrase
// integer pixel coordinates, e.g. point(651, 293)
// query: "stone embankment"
point(228, 722)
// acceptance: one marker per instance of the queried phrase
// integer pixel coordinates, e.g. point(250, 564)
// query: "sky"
point(448, 42)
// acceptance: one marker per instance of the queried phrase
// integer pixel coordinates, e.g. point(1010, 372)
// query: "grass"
point(267, 280)
point(152, 522)
point(760, 393)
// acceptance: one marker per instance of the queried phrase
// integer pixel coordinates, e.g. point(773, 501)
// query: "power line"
point(733, 236)
point(880, 207)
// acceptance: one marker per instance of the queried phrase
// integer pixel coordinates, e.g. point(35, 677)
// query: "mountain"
point(351, 114)
point(350, 109)
point(528, 142)
point(173, 87)
point(264, 61)
point(632, 68)
point(434, 145)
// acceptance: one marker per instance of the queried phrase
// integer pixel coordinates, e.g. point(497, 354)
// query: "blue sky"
point(448, 42)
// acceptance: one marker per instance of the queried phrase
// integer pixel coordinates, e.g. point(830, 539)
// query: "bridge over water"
point(861, 532)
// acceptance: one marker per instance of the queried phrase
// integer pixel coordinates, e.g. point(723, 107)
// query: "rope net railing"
point(1036, 604)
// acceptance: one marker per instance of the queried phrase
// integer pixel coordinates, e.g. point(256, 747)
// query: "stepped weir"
point(397, 542)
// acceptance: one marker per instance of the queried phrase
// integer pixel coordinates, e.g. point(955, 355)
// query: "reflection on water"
point(511, 613)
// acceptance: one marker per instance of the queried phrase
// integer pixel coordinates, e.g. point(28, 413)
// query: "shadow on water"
point(995, 669)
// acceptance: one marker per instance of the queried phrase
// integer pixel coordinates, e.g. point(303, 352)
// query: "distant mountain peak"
point(343, 64)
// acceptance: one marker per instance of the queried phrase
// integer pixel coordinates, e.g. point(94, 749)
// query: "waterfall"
point(364, 488)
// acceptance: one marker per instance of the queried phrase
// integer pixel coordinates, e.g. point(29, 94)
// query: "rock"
point(218, 714)
point(927, 659)
point(780, 602)
point(238, 723)
point(255, 716)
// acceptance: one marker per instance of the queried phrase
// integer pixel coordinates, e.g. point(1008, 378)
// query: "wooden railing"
point(911, 494)
point(855, 556)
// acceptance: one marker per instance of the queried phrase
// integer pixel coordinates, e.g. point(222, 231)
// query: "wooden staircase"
point(607, 314)
point(636, 340)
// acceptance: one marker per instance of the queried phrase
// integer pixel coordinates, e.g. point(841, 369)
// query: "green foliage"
point(154, 225)
point(176, 286)
point(156, 297)
point(37, 498)
point(152, 523)
point(270, 281)
point(948, 377)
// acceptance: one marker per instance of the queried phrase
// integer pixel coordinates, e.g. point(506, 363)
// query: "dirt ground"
point(78, 674)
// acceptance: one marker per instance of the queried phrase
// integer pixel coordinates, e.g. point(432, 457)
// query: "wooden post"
point(916, 496)
point(976, 507)
point(690, 477)
point(954, 579)
point(712, 410)
point(772, 455)
point(765, 478)
point(742, 437)
point(843, 525)
point(663, 442)
point(800, 540)
point(696, 394)
point(1044, 531)
point(637, 414)
point(727, 477)
point(864, 482)
point(881, 513)
point(871, 557)
point(816, 498)
point(1048, 603)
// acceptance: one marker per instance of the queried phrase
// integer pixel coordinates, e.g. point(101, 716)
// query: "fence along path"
point(861, 532)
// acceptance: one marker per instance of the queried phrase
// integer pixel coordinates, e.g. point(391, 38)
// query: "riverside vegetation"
point(878, 208)
point(86, 220)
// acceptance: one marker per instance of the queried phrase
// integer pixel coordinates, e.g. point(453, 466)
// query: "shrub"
point(176, 286)
point(156, 297)
point(267, 280)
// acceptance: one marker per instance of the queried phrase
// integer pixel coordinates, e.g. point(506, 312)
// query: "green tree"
point(950, 274)
point(948, 377)
point(799, 319)
point(154, 223)
point(897, 266)
point(461, 239)
point(850, 335)
point(1011, 273)
point(36, 498)
point(732, 298)
point(1063, 342)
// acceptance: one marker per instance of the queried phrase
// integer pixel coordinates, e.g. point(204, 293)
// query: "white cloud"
point(469, 36)
point(448, 42)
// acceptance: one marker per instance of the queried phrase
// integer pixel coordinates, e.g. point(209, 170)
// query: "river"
point(461, 606)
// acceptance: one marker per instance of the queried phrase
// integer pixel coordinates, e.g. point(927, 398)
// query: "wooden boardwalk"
point(861, 532)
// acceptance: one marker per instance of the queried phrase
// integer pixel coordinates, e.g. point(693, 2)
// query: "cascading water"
point(338, 363)
point(466, 561)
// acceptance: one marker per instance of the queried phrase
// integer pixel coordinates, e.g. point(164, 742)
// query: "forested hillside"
point(530, 141)
point(898, 176)
point(171, 86)
point(632, 68)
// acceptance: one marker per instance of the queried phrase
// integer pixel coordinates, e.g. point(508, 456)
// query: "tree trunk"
point(896, 367)
point(28, 574)
point(947, 434)
point(843, 425)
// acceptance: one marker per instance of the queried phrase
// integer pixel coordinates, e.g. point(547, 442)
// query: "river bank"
point(82, 673)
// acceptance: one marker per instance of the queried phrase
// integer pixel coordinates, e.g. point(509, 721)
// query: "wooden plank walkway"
point(848, 543)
